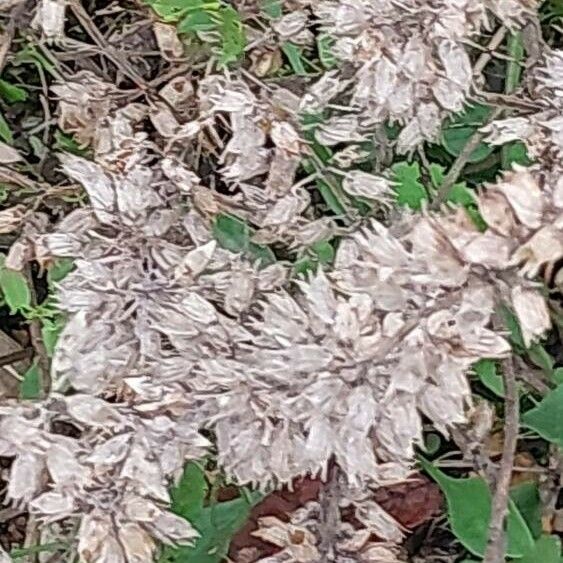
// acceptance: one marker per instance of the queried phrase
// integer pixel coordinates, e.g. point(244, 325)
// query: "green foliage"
point(5, 131)
point(31, 385)
point(11, 93)
point(66, 143)
point(526, 497)
point(234, 234)
point(205, 16)
point(547, 418)
point(486, 370)
point(295, 58)
point(14, 288)
point(515, 153)
point(51, 328)
point(35, 549)
point(410, 190)
point(432, 443)
point(331, 192)
point(536, 353)
point(59, 270)
point(231, 31)
point(272, 8)
point(191, 491)
point(547, 549)
point(324, 48)
point(460, 129)
point(558, 375)
point(216, 522)
point(319, 254)
point(469, 513)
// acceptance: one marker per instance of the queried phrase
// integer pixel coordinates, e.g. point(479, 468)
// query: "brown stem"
point(496, 544)
point(329, 516)
point(14, 357)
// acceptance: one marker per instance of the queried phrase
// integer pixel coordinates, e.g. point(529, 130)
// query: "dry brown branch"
point(89, 26)
point(329, 516)
point(485, 57)
point(496, 545)
point(14, 357)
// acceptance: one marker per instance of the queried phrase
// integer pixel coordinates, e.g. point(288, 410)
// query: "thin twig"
point(32, 537)
point(513, 75)
point(460, 162)
point(86, 21)
point(14, 357)
point(485, 57)
point(329, 516)
point(496, 544)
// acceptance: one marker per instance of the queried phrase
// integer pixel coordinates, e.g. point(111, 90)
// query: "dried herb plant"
point(189, 331)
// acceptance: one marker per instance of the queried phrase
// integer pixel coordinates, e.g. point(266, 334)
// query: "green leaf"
point(190, 492)
point(216, 523)
point(234, 234)
point(293, 54)
point(462, 127)
point(233, 39)
point(513, 327)
point(324, 47)
point(486, 370)
point(557, 375)
point(547, 418)
point(174, 10)
point(5, 131)
point(323, 251)
point(64, 142)
point(262, 253)
point(30, 54)
point(272, 8)
point(432, 443)
point(58, 270)
point(197, 22)
point(199, 16)
point(516, 153)
point(26, 551)
point(330, 193)
point(330, 197)
point(547, 549)
point(31, 385)
point(526, 497)
point(51, 329)
point(231, 233)
point(459, 194)
point(541, 357)
point(12, 93)
point(409, 189)
point(469, 513)
point(14, 287)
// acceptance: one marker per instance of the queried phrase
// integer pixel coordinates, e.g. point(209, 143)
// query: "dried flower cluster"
point(399, 62)
point(168, 334)
point(302, 540)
